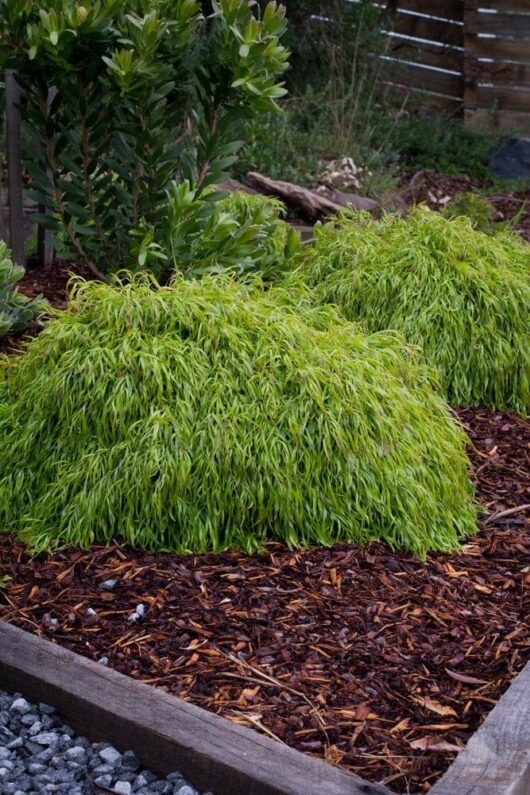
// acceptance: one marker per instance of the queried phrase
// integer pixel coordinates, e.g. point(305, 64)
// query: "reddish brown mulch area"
point(434, 189)
point(368, 658)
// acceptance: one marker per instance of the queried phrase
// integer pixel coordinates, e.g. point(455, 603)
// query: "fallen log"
point(311, 204)
point(346, 199)
point(234, 185)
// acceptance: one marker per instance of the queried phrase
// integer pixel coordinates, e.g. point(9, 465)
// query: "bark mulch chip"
point(368, 658)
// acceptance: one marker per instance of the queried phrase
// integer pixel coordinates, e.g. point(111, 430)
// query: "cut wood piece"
point(346, 199)
point(311, 204)
point(307, 201)
point(496, 760)
point(234, 185)
point(166, 733)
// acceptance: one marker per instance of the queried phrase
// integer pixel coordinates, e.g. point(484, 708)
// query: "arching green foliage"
point(211, 414)
point(277, 244)
point(461, 295)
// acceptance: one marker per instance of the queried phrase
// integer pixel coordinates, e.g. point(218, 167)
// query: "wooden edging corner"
point(165, 733)
point(496, 759)
point(215, 754)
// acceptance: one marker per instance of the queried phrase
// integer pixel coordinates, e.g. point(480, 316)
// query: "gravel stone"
point(41, 755)
point(76, 754)
point(103, 781)
point(123, 787)
point(30, 718)
point(46, 738)
point(110, 755)
point(20, 705)
point(130, 760)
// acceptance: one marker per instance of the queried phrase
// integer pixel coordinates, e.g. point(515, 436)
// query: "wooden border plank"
point(444, 32)
point(517, 6)
point(498, 49)
point(430, 54)
point(439, 102)
point(516, 26)
point(499, 72)
point(498, 98)
point(426, 79)
point(448, 9)
point(496, 760)
point(165, 733)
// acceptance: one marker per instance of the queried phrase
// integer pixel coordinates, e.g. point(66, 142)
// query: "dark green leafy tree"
point(16, 311)
point(126, 102)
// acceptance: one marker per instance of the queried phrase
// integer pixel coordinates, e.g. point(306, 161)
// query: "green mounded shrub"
point(16, 310)
point(461, 295)
point(210, 414)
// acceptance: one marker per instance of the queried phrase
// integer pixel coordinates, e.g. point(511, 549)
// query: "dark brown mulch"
point(51, 282)
point(434, 189)
point(368, 658)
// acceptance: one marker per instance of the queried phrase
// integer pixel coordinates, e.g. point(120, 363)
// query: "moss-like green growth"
point(477, 208)
point(461, 295)
point(211, 414)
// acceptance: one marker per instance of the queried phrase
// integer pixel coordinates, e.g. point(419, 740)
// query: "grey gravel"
point(39, 754)
point(108, 585)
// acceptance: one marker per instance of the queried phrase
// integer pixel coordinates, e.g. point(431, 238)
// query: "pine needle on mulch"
point(367, 658)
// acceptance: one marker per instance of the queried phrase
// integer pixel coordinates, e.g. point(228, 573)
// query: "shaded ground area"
point(368, 658)
point(50, 281)
point(436, 189)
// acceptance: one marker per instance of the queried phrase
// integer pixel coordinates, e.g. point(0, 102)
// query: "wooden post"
point(469, 67)
point(44, 244)
point(44, 252)
point(14, 168)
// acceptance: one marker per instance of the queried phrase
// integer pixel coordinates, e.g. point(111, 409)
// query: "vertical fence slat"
point(44, 238)
point(14, 168)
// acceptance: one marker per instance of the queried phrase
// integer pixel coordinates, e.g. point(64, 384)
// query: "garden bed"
point(436, 189)
point(367, 658)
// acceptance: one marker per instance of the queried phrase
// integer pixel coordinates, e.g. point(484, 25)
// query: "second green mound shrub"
point(210, 414)
point(461, 295)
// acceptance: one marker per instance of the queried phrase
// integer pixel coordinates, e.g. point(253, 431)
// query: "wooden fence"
point(468, 56)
